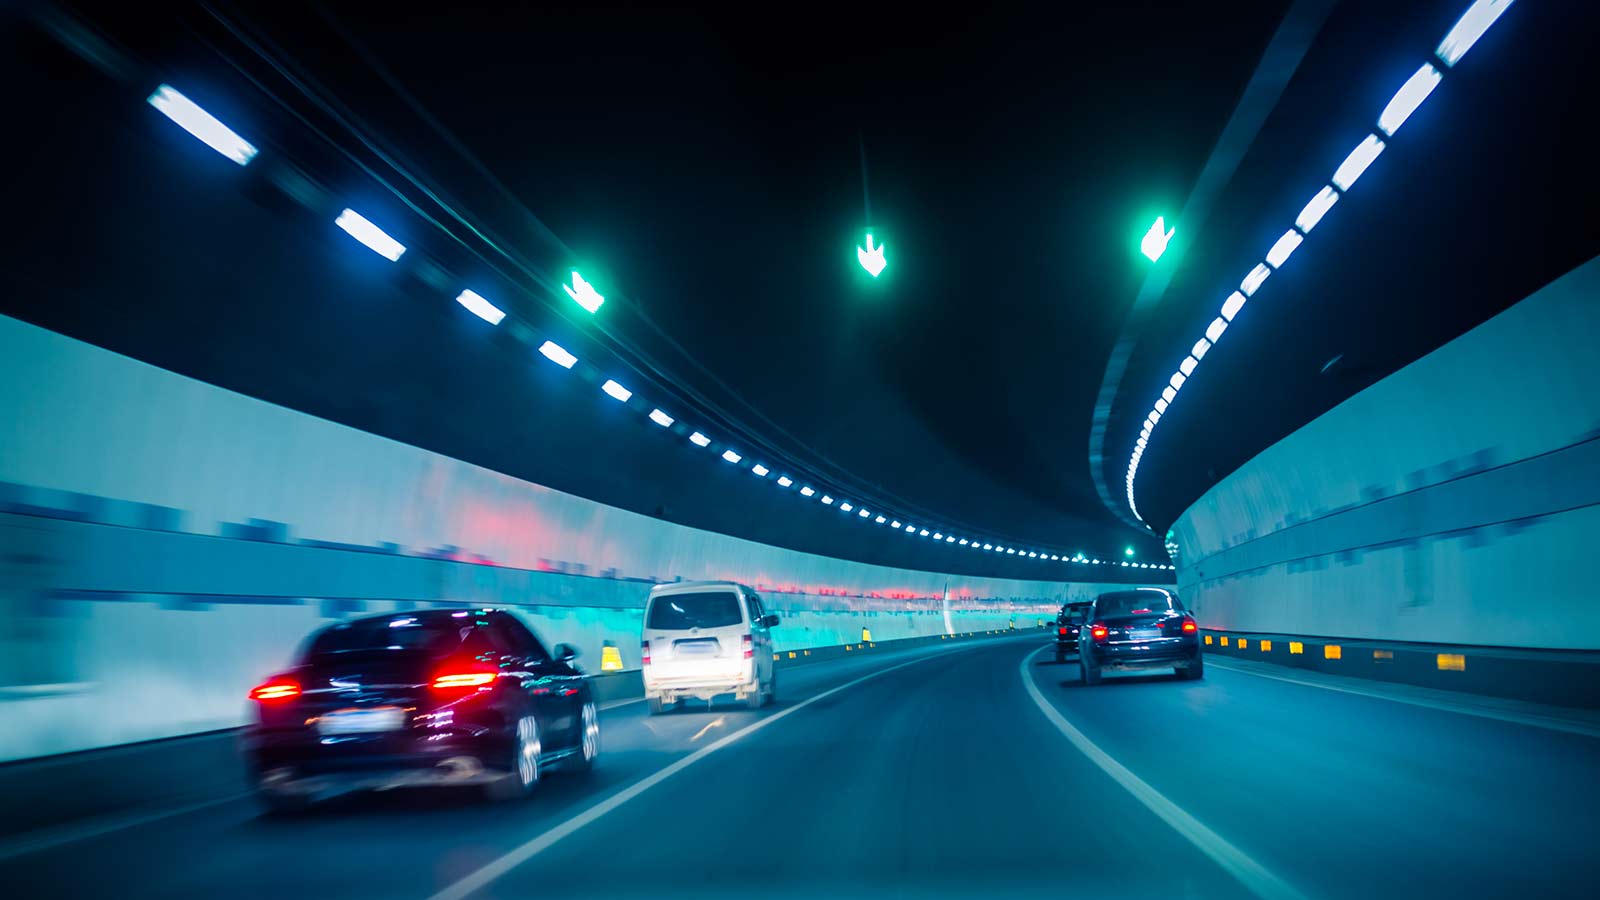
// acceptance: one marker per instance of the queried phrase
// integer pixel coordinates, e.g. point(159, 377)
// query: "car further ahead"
point(706, 639)
point(432, 698)
point(1068, 623)
point(1143, 628)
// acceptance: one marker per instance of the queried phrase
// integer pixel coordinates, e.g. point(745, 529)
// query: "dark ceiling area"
point(705, 169)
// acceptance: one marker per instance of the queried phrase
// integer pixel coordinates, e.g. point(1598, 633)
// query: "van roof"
point(679, 587)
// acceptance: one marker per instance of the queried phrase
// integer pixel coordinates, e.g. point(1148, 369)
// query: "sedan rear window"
point(709, 609)
point(401, 633)
point(1135, 603)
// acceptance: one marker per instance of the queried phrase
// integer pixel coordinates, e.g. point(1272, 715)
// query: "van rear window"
point(709, 609)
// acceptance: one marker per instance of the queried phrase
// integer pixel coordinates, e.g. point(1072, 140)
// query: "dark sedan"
point(438, 697)
point(1145, 628)
point(1068, 623)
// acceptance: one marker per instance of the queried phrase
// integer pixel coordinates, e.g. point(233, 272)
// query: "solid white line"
point(536, 845)
point(1570, 726)
point(50, 838)
point(1234, 861)
point(617, 703)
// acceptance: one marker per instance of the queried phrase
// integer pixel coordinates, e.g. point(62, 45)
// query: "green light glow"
point(1155, 240)
point(871, 258)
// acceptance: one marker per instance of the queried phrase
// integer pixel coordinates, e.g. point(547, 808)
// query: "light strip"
point(480, 307)
point(1408, 98)
point(616, 391)
point(1471, 26)
point(557, 354)
point(203, 125)
point(661, 418)
point(375, 239)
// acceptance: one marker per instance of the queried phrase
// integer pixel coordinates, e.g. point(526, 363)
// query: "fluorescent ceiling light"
point(357, 226)
point(480, 307)
point(1254, 279)
point(1230, 308)
point(731, 456)
point(1169, 394)
point(1471, 26)
point(845, 507)
point(1408, 98)
point(1177, 380)
point(806, 492)
point(759, 470)
point(557, 354)
point(660, 418)
point(784, 481)
point(699, 440)
point(1200, 348)
point(1316, 209)
point(616, 390)
point(201, 124)
point(1215, 330)
point(1188, 364)
point(826, 500)
point(1357, 162)
point(1279, 254)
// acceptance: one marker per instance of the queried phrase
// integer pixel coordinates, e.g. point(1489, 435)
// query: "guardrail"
point(1558, 677)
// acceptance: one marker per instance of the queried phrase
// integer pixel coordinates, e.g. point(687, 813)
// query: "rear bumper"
point(703, 687)
point(300, 762)
point(1181, 653)
point(1064, 648)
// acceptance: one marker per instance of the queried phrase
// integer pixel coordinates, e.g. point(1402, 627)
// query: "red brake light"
point(276, 689)
point(644, 653)
point(461, 681)
point(749, 648)
point(1063, 629)
point(1189, 627)
point(1098, 632)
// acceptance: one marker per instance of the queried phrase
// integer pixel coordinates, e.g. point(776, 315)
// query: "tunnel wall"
point(1455, 501)
point(168, 543)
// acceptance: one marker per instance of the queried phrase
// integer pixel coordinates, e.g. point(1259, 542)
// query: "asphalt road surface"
point(978, 769)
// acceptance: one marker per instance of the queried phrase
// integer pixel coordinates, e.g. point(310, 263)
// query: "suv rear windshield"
point(1074, 613)
point(1135, 603)
point(402, 633)
point(709, 609)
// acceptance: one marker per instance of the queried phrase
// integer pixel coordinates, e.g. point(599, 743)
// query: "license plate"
point(696, 648)
point(362, 721)
point(1143, 634)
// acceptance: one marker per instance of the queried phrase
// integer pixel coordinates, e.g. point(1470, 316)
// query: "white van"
point(704, 639)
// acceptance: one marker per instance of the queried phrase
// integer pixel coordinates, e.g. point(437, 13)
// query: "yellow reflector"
point(806, 652)
point(774, 656)
point(1296, 647)
point(1452, 662)
point(1266, 646)
point(1244, 643)
point(1208, 638)
point(866, 633)
point(791, 654)
point(1383, 654)
point(1332, 651)
point(848, 648)
point(1224, 640)
point(610, 659)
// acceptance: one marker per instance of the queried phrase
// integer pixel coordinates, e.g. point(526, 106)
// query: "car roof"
point(1137, 591)
point(422, 615)
point(683, 587)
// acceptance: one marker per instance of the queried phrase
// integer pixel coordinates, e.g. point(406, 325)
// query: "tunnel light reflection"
point(478, 306)
point(843, 507)
point(1408, 98)
point(759, 470)
point(784, 481)
point(962, 542)
point(806, 492)
point(557, 354)
point(370, 235)
point(616, 391)
point(661, 418)
point(880, 520)
point(699, 440)
point(1471, 26)
point(203, 125)
point(1357, 162)
point(826, 500)
point(731, 456)
point(863, 514)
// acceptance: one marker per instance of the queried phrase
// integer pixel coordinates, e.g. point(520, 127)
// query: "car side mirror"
point(566, 653)
point(770, 620)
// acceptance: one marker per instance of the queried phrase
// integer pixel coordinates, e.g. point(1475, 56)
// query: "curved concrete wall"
point(166, 543)
point(1455, 501)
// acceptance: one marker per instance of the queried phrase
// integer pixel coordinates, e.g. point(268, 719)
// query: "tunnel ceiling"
point(706, 170)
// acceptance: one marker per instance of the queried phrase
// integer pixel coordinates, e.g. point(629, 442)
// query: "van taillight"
point(1098, 631)
point(644, 653)
point(749, 648)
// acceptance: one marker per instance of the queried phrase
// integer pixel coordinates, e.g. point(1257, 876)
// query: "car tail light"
point(644, 653)
point(1189, 627)
point(275, 689)
point(749, 648)
point(1063, 629)
point(1098, 631)
point(456, 678)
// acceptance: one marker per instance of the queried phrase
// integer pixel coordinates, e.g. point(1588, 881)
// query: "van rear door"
point(697, 636)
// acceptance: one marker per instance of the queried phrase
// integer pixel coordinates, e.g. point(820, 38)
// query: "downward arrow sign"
point(871, 258)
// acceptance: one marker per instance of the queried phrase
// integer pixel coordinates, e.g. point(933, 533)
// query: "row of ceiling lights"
point(207, 128)
point(1466, 31)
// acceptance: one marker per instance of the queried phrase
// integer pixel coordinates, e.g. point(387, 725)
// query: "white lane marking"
point(616, 703)
point(51, 838)
point(536, 845)
point(1570, 726)
point(1234, 861)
